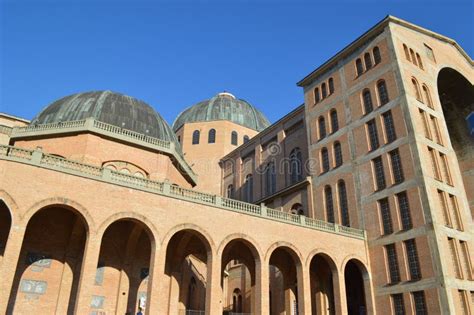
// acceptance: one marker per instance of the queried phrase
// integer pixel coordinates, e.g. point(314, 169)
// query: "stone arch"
point(355, 258)
point(324, 281)
point(202, 233)
point(283, 244)
point(357, 283)
point(318, 251)
point(250, 241)
point(11, 205)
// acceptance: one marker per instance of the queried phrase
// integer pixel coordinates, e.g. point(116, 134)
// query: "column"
point(213, 287)
point(158, 285)
point(304, 289)
point(9, 264)
point(262, 286)
point(340, 300)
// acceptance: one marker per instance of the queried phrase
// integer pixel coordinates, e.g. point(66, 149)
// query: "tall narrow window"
point(404, 208)
point(435, 128)
point(434, 164)
point(329, 204)
point(383, 93)
point(341, 187)
point(331, 85)
point(407, 54)
point(398, 304)
point(211, 136)
point(454, 258)
point(234, 138)
point(324, 160)
point(322, 127)
point(416, 90)
point(246, 139)
point(367, 99)
point(397, 168)
point(296, 166)
point(420, 304)
point(324, 91)
point(317, 96)
point(455, 211)
point(373, 135)
point(427, 96)
point(248, 188)
point(413, 57)
point(379, 173)
point(418, 58)
point(196, 134)
point(359, 67)
point(444, 208)
point(337, 154)
point(334, 121)
point(377, 55)
point(368, 61)
point(392, 260)
point(412, 256)
point(445, 168)
point(426, 127)
point(270, 179)
point(390, 133)
point(465, 260)
point(386, 216)
point(230, 191)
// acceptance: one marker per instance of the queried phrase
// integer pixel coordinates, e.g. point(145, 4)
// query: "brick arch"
point(294, 251)
point(140, 219)
point(359, 262)
point(442, 67)
point(332, 262)
point(249, 241)
point(12, 206)
point(201, 233)
point(63, 203)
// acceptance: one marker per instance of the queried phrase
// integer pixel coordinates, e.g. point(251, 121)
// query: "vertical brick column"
point(340, 300)
point(262, 279)
point(213, 286)
point(9, 264)
point(304, 289)
point(158, 286)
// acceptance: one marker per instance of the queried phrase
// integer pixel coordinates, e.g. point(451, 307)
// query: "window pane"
point(334, 121)
point(343, 203)
point(412, 256)
point(373, 135)
point(196, 134)
point(389, 127)
point(377, 56)
point(359, 67)
point(392, 263)
point(383, 93)
point(386, 216)
point(396, 166)
point(404, 208)
point(329, 204)
point(379, 173)
point(368, 61)
point(367, 98)
point(325, 160)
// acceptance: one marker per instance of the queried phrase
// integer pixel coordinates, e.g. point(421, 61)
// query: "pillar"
point(340, 300)
point(213, 286)
point(304, 289)
point(262, 287)
point(158, 285)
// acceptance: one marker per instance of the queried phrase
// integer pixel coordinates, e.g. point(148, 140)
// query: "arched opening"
point(5, 225)
point(456, 95)
point(284, 281)
point(49, 264)
point(356, 281)
point(187, 258)
point(121, 279)
point(323, 273)
point(239, 260)
point(297, 208)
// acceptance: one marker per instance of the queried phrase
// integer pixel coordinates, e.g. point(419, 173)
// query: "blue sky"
point(172, 54)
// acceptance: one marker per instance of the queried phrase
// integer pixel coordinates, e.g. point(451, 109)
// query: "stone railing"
point(37, 158)
point(6, 130)
point(53, 126)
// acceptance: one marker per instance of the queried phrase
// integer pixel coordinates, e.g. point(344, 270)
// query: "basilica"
point(359, 201)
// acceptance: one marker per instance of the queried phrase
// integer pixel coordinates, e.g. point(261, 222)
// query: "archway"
point(121, 279)
point(456, 95)
point(239, 260)
point(284, 264)
point(5, 225)
point(354, 274)
point(323, 272)
point(49, 265)
point(187, 257)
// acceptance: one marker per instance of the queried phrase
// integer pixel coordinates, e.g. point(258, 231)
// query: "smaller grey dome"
point(223, 106)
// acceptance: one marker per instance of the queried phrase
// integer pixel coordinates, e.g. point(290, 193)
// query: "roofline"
point(15, 117)
point(378, 28)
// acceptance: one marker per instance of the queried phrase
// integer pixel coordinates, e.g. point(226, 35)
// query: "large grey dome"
point(223, 106)
point(111, 108)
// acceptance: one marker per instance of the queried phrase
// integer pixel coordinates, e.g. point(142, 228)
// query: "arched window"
point(337, 154)
point(334, 121)
point(407, 54)
point(212, 136)
point(416, 89)
point(234, 137)
point(329, 204)
point(383, 93)
point(427, 95)
point(341, 187)
point(317, 97)
point(377, 55)
point(296, 165)
point(359, 67)
point(246, 139)
point(367, 98)
point(196, 135)
point(418, 58)
point(125, 171)
point(331, 85)
point(322, 127)
point(237, 301)
point(324, 90)
point(297, 208)
point(248, 188)
point(270, 179)
point(324, 160)
point(230, 191)
point(412, 55)
point(368, 61)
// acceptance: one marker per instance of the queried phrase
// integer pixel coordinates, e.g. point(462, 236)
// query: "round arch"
point(11, 206)
point(247, 240)
point(201, 233)
point(330, 260)
point(358, 287)
point(290, 248)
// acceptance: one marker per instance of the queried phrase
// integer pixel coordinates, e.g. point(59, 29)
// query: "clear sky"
point(173, 54)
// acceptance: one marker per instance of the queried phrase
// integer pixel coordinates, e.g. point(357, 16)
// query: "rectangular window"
point(454, 258)
point(444, 208)
point(389, 127)
point(379, 173)
point(393, 269)
point(397, 169)
point(465, 260)
point(426, 127)
point(434, 164)
point(404, 208)
point(435, 128)
point(373, 135)
point(398, 305)
point(413, 262)
point(445, 168)
point(385, 216)
point(455, 211)
point(420, 304)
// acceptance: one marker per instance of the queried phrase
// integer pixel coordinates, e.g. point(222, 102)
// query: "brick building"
point(359, 201)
